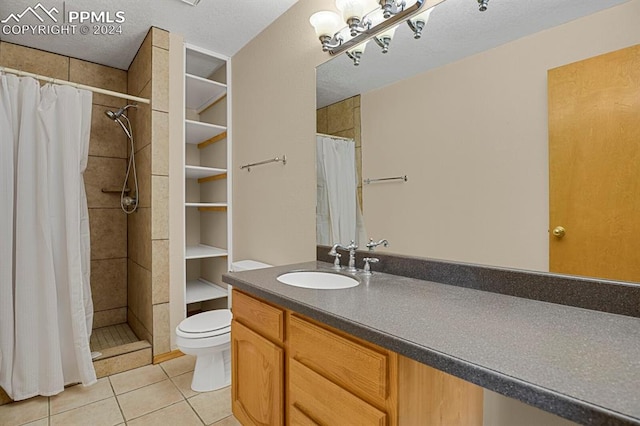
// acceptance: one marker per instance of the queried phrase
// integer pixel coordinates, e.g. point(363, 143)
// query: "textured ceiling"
point(223, 26)
point(456, 29)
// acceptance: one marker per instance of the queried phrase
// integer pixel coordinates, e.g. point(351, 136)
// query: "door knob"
point(559, 231)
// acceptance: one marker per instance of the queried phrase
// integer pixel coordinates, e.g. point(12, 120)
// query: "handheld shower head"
point(115, 115)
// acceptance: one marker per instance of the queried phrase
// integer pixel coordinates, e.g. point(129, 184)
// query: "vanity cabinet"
point(288, 369)
point(257, 359)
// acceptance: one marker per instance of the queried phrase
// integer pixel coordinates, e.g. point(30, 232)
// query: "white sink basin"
point(317, 280)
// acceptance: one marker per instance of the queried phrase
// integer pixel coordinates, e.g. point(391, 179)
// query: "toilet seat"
point(205, 324)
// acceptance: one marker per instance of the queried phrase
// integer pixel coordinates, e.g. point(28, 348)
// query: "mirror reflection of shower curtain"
point(45, 296)
point(338, 213)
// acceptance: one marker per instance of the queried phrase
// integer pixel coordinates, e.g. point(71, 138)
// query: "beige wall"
point(273, 107)
point(148, 263)
point(496, 135)
point(474, 146)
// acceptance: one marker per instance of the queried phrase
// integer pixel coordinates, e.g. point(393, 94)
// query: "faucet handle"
point(371, 245)
point(336, 262)
point(367, 266)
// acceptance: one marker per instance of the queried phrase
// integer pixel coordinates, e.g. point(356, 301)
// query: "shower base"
point(120, 350)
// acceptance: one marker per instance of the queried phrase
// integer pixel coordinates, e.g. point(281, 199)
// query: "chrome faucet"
point(334, 252)
point(352, 247)
point(371, 245)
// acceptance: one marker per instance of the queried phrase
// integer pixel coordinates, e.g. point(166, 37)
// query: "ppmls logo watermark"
point(40, 20)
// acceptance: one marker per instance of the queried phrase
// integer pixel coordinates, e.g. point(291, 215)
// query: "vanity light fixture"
point(482, 5)
point(365, 19)
point(418, 22)
point(191, 2)
point(356, 53)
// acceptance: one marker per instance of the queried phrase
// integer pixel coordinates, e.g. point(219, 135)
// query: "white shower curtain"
point(46, 310)
point(338, 213)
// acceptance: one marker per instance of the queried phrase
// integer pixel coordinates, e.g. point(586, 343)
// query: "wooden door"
point(257, 383)
point(594, 166)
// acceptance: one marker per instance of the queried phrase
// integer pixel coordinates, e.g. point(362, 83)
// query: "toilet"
point(207, 336)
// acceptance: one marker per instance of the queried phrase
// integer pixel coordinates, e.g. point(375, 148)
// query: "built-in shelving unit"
point(207, 179)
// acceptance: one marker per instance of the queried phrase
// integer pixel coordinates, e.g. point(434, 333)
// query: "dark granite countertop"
point(581, 364)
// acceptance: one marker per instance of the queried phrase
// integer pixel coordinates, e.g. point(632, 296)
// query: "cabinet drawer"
point(315, 400)
point(259, 316)
point(354, 366)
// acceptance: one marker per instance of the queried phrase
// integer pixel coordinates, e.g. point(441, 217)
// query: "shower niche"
point(206, 176)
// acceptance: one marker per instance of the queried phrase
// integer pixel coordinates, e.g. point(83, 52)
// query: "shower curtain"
point(46, 310)
point(338, 213)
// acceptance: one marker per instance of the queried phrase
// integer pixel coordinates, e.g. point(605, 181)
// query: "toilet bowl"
point(207, 336)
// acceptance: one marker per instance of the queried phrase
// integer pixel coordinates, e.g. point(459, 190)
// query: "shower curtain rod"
point(335, 137)
point(76, 85)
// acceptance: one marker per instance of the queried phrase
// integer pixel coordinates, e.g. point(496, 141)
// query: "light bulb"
point(326, 23)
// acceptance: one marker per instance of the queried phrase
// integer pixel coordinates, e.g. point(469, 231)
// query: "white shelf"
point(198, 172)
point(205, 204)
point(201, 289)
point(196, 131)
point(201, 92)
point(203, 251)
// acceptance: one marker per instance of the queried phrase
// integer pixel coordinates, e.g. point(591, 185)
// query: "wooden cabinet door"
point(257, 383)
point(594, 166)
point(316, 400)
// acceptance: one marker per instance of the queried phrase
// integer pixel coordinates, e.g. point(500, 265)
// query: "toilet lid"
point(209, 323)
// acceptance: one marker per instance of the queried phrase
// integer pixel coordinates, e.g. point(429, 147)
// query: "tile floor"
point(112, 336)
point(150, 395)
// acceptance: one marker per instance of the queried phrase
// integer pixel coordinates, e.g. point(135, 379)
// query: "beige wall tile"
point(18, 413)
point(107, 173)
point(99, 76)
point(160, 143)
point(178, 366)
point(160, 271)
point(34, 61)
point(138, 328)
point(177, 414)
point(160, 37)
point(348, 133)
point(322, 125)
point(139, 241)
point(108, 233)
point(78, 395)
point(143, 168)
point(340, 116)
point(159, 207)
point(140, 69)
point(160, 80)
point(357, 126)
point(212, 406)
point(109, 284)
point(161, 329)
point(138, 378)
point(4, 398)
point(107, 138)
point(123, 362)
point(109, 317)
point(142, 121)
point(148, 399)
point(101, 413)
point(139, 287)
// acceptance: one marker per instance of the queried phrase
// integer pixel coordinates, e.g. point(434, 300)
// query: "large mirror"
point(463, 113)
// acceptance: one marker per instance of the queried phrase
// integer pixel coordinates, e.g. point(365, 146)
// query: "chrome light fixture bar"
point(336, 45)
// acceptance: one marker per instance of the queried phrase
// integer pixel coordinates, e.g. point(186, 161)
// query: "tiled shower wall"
point(343, 119)
point(105, 169)
point(148, 260)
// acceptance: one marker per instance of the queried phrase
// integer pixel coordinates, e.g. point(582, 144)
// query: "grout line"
point(124, 419)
